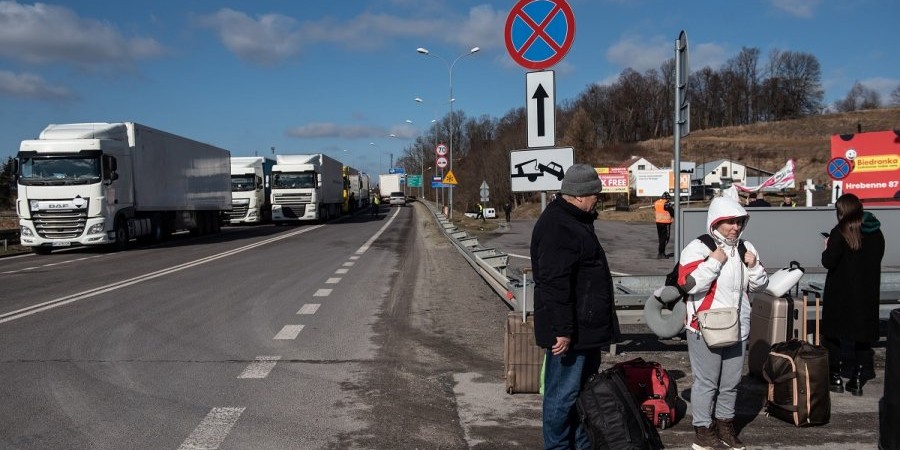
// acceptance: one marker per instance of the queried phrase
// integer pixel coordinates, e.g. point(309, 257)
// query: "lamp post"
point(433, 147)
point(471, 51)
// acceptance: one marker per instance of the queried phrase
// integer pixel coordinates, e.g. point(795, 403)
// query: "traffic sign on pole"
point(539, 32)
point(540, 96)
point(485, 192)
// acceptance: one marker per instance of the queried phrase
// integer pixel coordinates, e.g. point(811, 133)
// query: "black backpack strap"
point(709, 241)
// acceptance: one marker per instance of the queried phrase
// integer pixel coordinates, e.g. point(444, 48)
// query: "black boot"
point(835, 382)
point(855, 383)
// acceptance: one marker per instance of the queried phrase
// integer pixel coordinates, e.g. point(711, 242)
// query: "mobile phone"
point(824, 234)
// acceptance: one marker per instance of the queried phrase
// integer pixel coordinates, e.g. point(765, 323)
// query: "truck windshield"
point(288, 180)
point(59, 170)
point(242, 183)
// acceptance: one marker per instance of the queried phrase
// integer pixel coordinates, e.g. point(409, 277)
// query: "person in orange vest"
point(664, 211)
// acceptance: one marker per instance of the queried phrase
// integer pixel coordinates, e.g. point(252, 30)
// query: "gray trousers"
point(717, 373)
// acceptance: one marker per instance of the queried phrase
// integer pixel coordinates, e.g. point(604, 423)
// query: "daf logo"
point(56, 206)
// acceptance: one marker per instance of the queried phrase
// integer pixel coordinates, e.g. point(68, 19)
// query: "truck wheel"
point(121, 236)
point(41, 250)
point(216, 223)
point(156, 230)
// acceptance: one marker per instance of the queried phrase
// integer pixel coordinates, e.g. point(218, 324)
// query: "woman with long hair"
point(853, 253)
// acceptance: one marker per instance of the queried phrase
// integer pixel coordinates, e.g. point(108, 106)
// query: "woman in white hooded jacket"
point(718, 279)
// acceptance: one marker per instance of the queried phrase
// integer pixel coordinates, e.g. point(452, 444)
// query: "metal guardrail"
point(631, 291)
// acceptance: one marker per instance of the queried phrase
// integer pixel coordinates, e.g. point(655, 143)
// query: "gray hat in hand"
point(581, 180)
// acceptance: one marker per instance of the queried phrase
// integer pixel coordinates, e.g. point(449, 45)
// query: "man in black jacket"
point(574, 314)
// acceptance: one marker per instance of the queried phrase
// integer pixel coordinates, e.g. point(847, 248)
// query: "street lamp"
point(425, 155)
point(471, 51)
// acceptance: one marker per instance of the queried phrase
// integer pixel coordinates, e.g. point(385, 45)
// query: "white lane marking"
point(368, 243)
point(322, 293)
point(309, 308)
point(348, 264)
point(354, 257)
point(260, 367)
point(33, 309)
point(289, 332)
point(212, 431)
point(335, 280)
point(341, 271)
point(25, 269)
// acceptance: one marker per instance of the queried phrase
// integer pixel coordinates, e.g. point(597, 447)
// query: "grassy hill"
point(769, 145)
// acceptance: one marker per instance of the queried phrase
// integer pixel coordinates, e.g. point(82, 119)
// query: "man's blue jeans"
point(563, 378)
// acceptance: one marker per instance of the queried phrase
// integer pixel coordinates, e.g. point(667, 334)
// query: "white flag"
point(782, 179)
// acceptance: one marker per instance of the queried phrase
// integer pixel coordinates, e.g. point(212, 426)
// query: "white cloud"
point(804, 9)
point(640, 53)
point(43, 34)
point(272, 38)
point(266, 40)
point(31, 86)
point(332, 130)
point(483, 27)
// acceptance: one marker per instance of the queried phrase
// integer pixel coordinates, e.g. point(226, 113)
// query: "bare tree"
point(793, 88)
point(859, 97)
point(744, 84)
point(895, 96)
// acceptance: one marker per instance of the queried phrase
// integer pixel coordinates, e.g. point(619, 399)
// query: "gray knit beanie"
point(581, 180)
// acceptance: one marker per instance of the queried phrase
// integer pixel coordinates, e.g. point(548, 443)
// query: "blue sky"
point(340, 76)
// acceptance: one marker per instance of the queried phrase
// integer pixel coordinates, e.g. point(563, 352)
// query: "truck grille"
point(60, 224)
point(300, 200)
point(239, 211)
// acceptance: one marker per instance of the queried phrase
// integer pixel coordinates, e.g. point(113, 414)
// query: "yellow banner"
point(876, 163)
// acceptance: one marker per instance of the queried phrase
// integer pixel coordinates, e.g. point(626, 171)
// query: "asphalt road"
point(216, 342)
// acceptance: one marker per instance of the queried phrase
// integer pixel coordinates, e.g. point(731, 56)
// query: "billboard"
point(867, 165)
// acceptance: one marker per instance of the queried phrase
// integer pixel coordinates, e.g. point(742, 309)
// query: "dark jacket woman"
point(565, 247)
point(852, 286)
point(852, 256)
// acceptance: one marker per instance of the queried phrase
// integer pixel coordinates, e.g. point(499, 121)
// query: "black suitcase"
point(797, 373)
point(611, 416)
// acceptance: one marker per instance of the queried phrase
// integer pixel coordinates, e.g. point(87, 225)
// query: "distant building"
point(722, 173)
point(637, 163)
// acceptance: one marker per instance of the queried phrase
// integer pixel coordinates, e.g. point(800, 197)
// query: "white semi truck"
point(108, 183)
point(306, 188)
point(361, 182)
point(251, 192)
point(388, 183)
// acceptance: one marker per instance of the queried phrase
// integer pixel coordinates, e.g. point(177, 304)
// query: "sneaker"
point(725, 431)
point(705, 438)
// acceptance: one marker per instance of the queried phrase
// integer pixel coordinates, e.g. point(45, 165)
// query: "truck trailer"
point(108, 183)
point(362, 182)
point(251, 193)
point(388, 183)
point(306, 188)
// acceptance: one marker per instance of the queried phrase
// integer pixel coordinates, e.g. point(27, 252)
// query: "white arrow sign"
point(540, 96)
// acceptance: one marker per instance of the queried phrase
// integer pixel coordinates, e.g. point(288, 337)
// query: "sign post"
point(681, 125)
point(538, 34)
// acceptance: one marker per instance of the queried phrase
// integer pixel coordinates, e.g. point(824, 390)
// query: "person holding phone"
point(853, 253)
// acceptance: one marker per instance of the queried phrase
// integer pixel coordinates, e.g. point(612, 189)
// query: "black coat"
point(573, 292)
point(852, 287)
